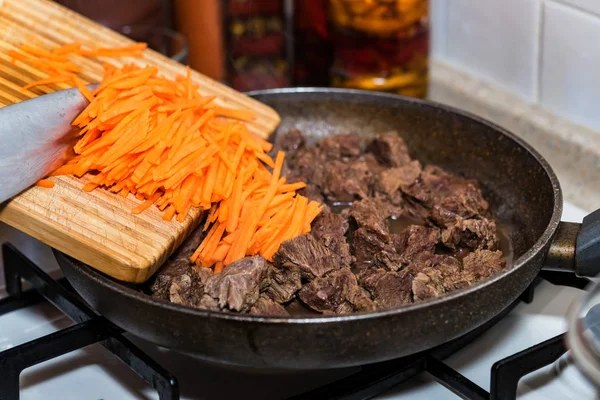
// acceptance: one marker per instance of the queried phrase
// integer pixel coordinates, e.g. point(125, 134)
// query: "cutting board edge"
point(98, 257)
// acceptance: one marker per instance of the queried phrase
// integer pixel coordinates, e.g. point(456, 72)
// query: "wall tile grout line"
point(575, 7)
point(540, 53)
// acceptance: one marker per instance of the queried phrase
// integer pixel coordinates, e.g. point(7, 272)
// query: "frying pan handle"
point(576, 247)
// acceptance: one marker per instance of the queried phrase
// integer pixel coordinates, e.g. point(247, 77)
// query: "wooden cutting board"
point(96, 228)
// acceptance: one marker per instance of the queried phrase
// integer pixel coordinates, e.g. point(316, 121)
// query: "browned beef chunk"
point(371, 249)
point(372, 163)
point(178, 267)
point(370, 215)
point(330, 229)
point(160, 284)
point(416, 211)
point(482, 263)
point(328, 223)
point(312, 258)
point(466, 203)
point(347, 181)
point(266, 307)
point(340, 146)
point(185, 289)
point(471, 234)
point(209, 303)
point(312, 192)
point(237, 287)
point(389, 289)
point(435, 275)
point(337, 292)
point(290, 142)
point(435, 185)
point(283, 283)
point(307, 163)
point(415, 240)
point(392, 179)
point(389, 149)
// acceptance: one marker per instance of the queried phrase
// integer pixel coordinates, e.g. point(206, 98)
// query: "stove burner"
point(370, 381)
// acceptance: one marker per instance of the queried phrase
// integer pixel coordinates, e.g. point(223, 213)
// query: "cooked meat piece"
point(435, 185)
point(330, 229)
point(311, 257)
point(418, 192)
point(160, 284)
point(427, 284)
point(347, 181)
point(289, 142)
point(472, 234)
point(329, 224)
point(482, 263)
point(371, 215)
point(339, 146)
point(371, 249)
point(312, 192)
point(372, 163)
point(266, 307)
point(437, 181)
point(307, 163)
point(338, 292)
point(237, 286)
point(389, 149)
point(389, 289)
point(467, 203)
point(436, 275)
point(416, 211)
point(415, 240)
point(185, 289)
point(209, 303)
point(177, 265)
point(447, 263)
point(391, 179)
point(283, 283)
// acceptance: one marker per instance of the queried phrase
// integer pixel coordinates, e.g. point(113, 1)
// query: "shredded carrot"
point(49, 81)
point(45, 183)
point(175, 150)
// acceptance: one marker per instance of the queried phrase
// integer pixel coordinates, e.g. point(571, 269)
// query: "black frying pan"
point(524, 194)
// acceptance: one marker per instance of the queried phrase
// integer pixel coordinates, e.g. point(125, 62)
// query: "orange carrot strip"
point(243, 115)
point(45, 183)
point(146, 204)
point(169, 213)
point(49, 81)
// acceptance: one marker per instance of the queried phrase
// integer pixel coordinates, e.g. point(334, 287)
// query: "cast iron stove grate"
point(370, 381)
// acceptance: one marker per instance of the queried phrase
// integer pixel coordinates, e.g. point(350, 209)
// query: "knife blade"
point(36, 137)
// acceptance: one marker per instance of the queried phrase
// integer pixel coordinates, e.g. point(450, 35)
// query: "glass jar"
point(255, 45)
point(380, 45)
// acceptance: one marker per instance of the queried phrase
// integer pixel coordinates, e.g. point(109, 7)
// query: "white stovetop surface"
point(93, 373)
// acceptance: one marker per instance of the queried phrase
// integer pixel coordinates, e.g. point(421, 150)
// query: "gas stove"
point(92, 372)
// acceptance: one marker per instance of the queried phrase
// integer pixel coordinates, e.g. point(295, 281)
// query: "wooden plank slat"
point(98, 227)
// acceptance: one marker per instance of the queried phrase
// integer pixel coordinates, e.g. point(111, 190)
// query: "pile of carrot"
point(161, 141)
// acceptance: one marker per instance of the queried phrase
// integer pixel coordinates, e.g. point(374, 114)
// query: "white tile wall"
point(496, 40)
point(547, 51)
point(439, 26)
point(570, 68)
point(592, 6)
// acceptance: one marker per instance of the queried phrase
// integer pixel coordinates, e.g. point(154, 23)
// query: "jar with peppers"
point(380, 45)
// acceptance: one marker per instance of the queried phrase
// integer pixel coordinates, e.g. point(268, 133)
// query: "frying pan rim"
point(414, 307)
